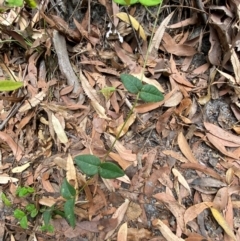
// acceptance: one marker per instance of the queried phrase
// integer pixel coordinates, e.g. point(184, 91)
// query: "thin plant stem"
point(137, 98)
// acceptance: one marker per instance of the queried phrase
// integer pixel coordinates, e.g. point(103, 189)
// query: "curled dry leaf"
point(71, 172)
point(34, 101)
point(59, 130)
point(181, 179)
point(165, 230)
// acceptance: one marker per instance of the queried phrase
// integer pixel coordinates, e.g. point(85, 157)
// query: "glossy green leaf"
point(67, 190)
point(9, 85)
point(14, 3)
point(149, 93)
point(18, 214)
point(23, 222)
point(126, 2)
point(89, 164)
point(150, 2)
point(69, 212)
point(110, 170)
point(31, 3)
point(131, 83)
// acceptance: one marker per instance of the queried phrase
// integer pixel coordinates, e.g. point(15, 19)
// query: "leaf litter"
point(181, 159)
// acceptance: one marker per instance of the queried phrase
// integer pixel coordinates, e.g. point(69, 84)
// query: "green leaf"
point(14, 3)
point(149, 93)
point(126, 2)
point(6, 201)
point(47, 216)
point(9, 85)
point(67, 190)
point(31, 3)
point(89, 164)
point(30, 207)
point(131, 83)
point(23, 222)
point(47, 228)
point(18, 214)
point(150, 2)
point(110, 170)
point(34, 213)
point(24, 191)
point(69, 212)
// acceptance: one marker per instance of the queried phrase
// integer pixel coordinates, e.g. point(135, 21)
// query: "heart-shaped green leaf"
point(67, 191)
point(126, 2)
point(150, 2)
point(89, 164)
point(110, 170)
point(149, 93)
point(131, 83)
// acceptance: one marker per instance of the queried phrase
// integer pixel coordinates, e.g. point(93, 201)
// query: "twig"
point(65, 65)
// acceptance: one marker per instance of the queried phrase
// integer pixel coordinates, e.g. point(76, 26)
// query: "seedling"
point(143, 2)
point(24, 191)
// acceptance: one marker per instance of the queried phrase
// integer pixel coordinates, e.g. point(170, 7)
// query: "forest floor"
point(180, 156)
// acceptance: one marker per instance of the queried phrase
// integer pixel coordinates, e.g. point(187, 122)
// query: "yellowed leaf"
point(59, 130)
point(21, 168)
point(71, 172)
point(222, 222)
point(125, 17)
point(165, 230)
point(181, 179)
point(122, 233)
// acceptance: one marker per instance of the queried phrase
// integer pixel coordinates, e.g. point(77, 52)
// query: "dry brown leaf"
point(122, 162)
point(181, 179)
point(154, 45)
point(220, 133)
point(34, 101)
point(165, 230)
point(185, 149)
point(16, 149)
point(215, 141)
point(193, 211)
point(174, 100)
point(175, 155)
point(122, 232)
point(236, 65)
point(119, 215)
point(59, 130)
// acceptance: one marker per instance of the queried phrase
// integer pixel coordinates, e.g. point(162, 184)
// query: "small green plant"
point(22, 215)
point(5, 200)
point(143, 2)
point(24, 191)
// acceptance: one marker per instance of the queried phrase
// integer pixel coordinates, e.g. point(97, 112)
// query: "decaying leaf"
point(59, 130)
